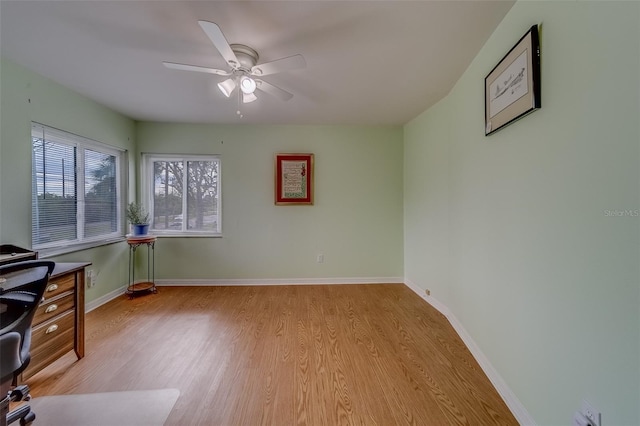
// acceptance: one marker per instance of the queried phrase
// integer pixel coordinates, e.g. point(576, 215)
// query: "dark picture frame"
point(293, 179)
point(512, 88)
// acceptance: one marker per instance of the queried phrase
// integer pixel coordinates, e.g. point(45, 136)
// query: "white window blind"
point(76, 190)
point(183, 194)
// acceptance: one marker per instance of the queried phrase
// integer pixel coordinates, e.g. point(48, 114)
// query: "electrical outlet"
point(591, 413)
point(320, 258)
point(91, 278)
point(428, 292)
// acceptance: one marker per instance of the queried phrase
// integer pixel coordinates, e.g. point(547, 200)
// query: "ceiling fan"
point(244, 72)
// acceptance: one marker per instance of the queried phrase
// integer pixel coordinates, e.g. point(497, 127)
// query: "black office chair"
point(22, 286)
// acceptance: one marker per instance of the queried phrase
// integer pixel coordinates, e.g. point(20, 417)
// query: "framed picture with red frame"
point(294, 179)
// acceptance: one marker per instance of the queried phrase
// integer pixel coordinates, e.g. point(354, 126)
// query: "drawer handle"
point(51, 329)
point(52, 287)
point(51, 308)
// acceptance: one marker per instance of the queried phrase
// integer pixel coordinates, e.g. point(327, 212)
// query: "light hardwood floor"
point(284, 355)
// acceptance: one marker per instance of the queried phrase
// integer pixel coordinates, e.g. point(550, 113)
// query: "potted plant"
point(139, 219)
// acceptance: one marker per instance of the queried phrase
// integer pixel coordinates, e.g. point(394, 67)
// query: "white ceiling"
point(368, 62)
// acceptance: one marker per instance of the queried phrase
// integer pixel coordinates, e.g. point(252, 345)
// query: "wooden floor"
point(284, 355)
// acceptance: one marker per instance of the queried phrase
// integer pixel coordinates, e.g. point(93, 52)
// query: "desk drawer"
point(56, 332)
point(50, 308)
point(50, 341)
point(59, 285)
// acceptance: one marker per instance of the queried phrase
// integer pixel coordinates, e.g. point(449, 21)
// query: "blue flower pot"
point(140, 229)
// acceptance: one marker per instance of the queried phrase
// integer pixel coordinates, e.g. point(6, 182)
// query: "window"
point(76, 189)
point(183, 194)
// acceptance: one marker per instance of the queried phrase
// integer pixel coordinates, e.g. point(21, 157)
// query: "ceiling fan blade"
point(185, 67)
point(273, 90)
point(285, 64)
point(214, 33)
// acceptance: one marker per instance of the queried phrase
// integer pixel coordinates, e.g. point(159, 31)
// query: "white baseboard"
point(519, 411)
point(278, 281)
point(90, 306)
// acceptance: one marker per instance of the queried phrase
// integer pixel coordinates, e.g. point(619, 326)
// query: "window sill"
point(185, 235)
point(57, 251)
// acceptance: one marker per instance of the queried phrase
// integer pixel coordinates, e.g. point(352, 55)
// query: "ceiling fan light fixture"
point(247, 85)
point(248, 97)
point(227, 87)
point(244, 70)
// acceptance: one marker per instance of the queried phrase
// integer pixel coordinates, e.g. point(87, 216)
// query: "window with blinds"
point(76, 189)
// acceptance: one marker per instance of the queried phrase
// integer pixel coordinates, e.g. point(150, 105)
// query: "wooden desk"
point(58, 325)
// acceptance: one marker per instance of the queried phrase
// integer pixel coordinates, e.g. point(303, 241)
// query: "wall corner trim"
point(519, 411)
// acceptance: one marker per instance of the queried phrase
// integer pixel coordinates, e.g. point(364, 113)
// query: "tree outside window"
point(185, 195)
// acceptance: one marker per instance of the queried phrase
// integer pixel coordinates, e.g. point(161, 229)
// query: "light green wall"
point(426, 199)
point(511, 231)
point(26, 97)
point(356, 220)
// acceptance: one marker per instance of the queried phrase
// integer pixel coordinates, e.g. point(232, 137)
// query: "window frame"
point(81, 144)
point(147, 191)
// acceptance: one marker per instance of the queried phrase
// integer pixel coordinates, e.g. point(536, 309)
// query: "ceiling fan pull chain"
point(238, 111)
